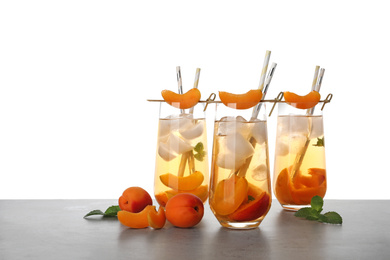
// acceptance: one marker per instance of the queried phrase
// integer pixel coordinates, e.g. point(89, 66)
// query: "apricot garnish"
point(201, 192)
point(182, 101)
point(253, 209)
point(302, 102)
point(156, 219)
point(229, 194)
point(135, 220)
point(184, 210)
point(187, 183)
point(241, 101)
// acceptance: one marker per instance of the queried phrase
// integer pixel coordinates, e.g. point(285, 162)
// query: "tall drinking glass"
point(181, 154)
point(240, 190)
point(299, 170)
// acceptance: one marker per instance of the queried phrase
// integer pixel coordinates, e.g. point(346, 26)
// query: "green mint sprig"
point(320, 142)
point(314, 212)
point(200, 153)
point(110, 212)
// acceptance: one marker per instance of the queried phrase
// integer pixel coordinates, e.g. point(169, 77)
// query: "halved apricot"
point(201, 192)
point(156, 219)
point(190, 182)
point(135, 220)
point(252, 209)
point(302, 102)
point(182, 101)
point(241, 101)
point(229, 194)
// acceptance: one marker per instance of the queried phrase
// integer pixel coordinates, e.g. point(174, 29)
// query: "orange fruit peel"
point(182, 101)
point(302, 102)
point(241, 101)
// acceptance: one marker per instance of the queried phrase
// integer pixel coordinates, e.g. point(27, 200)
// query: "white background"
point(75, 77)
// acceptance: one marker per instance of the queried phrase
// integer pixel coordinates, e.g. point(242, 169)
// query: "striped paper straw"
point(264, 71)
point(256, 109)
point(319, 82)
point(314, 83)
point(179, 83)
point(196, 82)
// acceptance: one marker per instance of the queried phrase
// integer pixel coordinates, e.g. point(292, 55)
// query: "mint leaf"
point(199, 147)
point(200, 153)
point(304, 212)
point(313, 212)
point(110, 212)
point(94, 212)
point(320, 142)
point(333, 218)
point(316, 203)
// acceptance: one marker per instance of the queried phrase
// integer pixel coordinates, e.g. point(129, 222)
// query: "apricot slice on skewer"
point(161, 198)
point(156, 219)
point(229, 194)
point(190, 182)
point(135, 220)
point(302, 102)
point(182, 101)
point(241, 101)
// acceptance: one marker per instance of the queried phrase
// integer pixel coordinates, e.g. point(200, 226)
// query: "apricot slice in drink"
point(253, 209)
point(182, 101)
point(135, 220)
point(201, 192)
point(241, 101)
point(161, 198)
point(156, 219)
point(229, 194)
point(190, 182)
point(302, 102)
point(315, 177)
point(282, 187)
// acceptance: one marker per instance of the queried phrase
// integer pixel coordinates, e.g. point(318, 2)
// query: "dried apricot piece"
point(182, 101)
point(241, 101)
point(302, 102)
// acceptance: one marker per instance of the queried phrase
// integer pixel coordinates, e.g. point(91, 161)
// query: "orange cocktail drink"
point(181, 154)
point(299, 168)
point(240, 190)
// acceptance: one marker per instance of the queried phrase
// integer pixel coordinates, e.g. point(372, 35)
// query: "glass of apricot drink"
point(240, 189)
point(181, 154)
point(299, 168)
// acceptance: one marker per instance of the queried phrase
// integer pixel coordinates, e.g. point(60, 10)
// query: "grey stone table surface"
point(56, 229)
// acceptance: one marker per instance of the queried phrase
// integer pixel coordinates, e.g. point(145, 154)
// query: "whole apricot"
point(134, 199)
point(184, 210)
